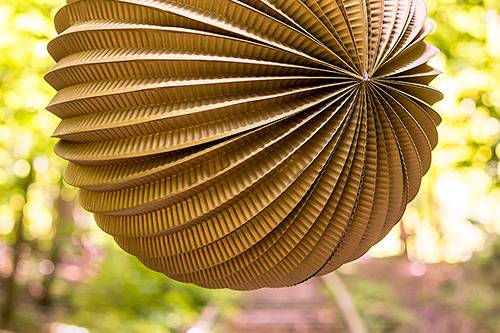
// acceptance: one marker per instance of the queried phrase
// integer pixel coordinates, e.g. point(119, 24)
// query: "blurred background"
point(438, 271)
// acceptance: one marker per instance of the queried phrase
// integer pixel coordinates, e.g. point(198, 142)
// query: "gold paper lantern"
point(244, 144)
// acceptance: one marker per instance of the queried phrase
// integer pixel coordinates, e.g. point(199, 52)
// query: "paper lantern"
point(244, 144)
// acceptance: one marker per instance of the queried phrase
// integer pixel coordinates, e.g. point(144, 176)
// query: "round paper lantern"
point(244, 144)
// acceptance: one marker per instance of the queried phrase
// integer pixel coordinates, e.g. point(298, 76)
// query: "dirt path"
point(301, 309)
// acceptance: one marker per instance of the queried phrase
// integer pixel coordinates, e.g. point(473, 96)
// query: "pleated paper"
point(244, 144)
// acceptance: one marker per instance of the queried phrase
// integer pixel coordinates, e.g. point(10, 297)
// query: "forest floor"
point(391, 295)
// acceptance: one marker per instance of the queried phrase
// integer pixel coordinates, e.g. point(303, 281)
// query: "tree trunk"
point(403, 236)
point(9, 304)
point(62, 223)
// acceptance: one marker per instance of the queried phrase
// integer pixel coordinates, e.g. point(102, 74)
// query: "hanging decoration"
point(244, 144)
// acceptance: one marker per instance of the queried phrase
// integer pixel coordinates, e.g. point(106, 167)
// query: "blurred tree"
point(27, 163)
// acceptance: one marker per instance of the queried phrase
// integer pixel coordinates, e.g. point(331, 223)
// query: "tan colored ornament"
point(244, 144)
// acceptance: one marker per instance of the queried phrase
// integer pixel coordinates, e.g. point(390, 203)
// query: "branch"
point(344, 301)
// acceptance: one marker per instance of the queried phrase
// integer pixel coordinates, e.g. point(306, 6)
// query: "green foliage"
point(26, 27)
point(467, 35)
point(489, 264)
point(127, 297)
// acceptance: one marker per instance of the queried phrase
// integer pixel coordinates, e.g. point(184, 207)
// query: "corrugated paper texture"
point(244, 144)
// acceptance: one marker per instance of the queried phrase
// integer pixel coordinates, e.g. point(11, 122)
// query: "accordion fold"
point(244, 144)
